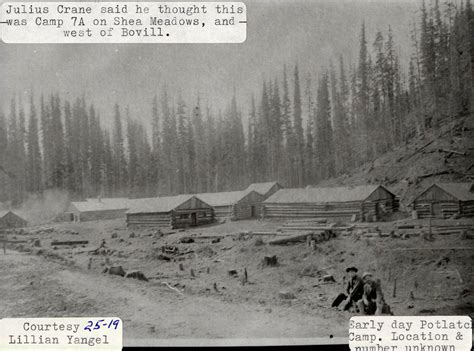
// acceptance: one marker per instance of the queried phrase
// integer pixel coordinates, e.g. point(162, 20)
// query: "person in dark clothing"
point(368, 304)
point(354, 290)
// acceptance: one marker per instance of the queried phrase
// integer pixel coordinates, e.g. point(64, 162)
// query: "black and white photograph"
point(256, 192)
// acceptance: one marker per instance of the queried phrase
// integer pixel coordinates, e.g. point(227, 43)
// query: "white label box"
point(89, 333)
point(410, 333)
point(123, 22)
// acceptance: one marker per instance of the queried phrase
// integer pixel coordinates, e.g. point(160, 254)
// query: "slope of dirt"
point(418, 277)
point(34, 287)
point(427, 159)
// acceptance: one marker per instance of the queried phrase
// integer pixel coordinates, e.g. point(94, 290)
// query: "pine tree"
point(34, 171)
point(155, 167)
point(297, 151)
point(362, 98)
point(324, 139)
point(200, 147)
point(120, 174)
point(288, 132)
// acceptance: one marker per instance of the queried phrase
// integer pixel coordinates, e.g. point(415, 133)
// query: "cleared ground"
point(208, 302)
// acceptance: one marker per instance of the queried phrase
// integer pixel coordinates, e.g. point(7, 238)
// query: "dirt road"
point(36, 287)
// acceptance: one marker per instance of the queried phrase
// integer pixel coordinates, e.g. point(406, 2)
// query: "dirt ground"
point(201, 299)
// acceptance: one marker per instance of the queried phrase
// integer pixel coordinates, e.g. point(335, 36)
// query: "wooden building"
point(97, 209)
point(444, 200)
point(235, 204)
point(179, 211)
point(8, 220)
point(365, 203)
point(265, 189)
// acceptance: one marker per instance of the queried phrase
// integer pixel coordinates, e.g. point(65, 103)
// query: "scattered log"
point(429, 248)
point(172, 288)
point(452, 152)
point(267, 233)
point(428, 175)
point(71, 242)
point(136, 275)
point(115, 270)
point(290, 239)
point(406, 226)
point(416, 151)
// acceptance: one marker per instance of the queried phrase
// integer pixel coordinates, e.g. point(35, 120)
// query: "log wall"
point(100, 215)
point(343, 211)
point(173, 219)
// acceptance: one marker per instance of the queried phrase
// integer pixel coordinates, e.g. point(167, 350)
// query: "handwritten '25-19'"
point(101, 323)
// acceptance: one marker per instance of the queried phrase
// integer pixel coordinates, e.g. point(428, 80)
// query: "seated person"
point(368, 304)
point(354, 290)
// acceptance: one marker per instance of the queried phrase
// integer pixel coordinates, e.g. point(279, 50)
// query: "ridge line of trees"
point(294, 135)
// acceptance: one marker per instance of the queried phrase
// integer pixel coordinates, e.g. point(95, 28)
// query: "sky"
point(308, 32)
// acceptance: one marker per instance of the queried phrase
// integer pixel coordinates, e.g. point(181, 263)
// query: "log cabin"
point(97, 209)
point(173, 212)
point(9, 220)
point(235, 204)
point(363, 203)
point(445, 200)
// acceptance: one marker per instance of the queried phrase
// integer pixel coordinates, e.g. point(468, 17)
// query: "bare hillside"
point(447, 156)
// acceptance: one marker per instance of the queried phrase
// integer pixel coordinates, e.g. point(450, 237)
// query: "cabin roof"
point(323, 194)
point(4, 213)
point(461, 191)
point(106, 204)
point(261, 188)
point(157, 204)
point(223, 198)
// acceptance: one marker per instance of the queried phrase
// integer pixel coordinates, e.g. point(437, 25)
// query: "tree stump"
point(270, 261)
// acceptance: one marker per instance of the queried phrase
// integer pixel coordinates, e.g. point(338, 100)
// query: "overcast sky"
point(308, 32)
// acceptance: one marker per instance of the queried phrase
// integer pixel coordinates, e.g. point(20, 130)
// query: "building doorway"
point(194, 221)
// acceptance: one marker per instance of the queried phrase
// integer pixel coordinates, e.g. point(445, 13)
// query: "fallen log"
point(452, 152)
point(172, 288)
point(416, 151)
point(290, 239)
point(13, 241)
point(70, 242)
point(316, 228)
point(433, 174)
point(296, 238)
point(429, 248)
point(266, 233)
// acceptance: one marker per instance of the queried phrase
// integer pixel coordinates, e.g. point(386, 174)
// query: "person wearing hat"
point(354, 290)
point(367, 304)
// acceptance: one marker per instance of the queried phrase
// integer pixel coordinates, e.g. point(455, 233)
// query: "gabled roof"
point(4, 213)
point(321, 195)
point(224, 198)
point(107, 204)
point(461, 191)
point(261, 188)
point(158, 204)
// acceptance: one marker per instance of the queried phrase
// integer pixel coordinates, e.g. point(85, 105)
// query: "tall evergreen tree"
point(34, 172)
